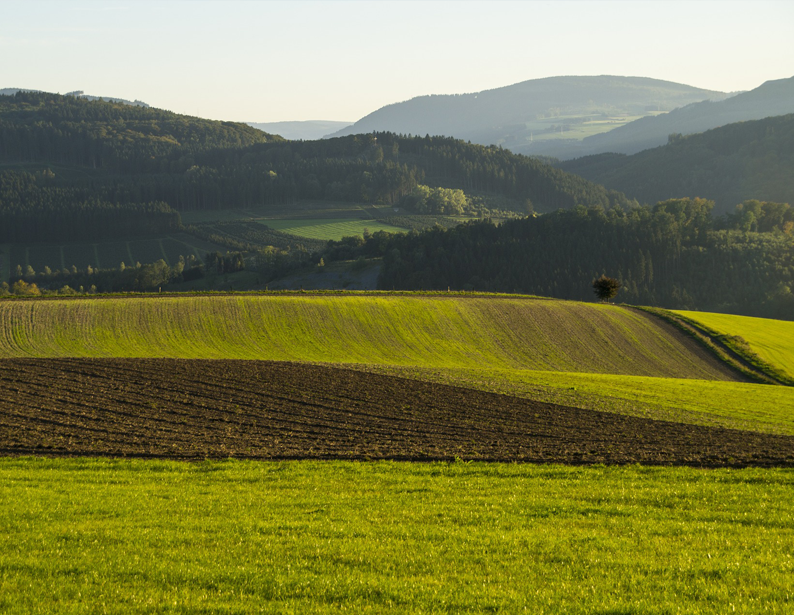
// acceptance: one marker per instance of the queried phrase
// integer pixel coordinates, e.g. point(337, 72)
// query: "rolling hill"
point(730, 164)
point(414, 331)
point(521, 116)
point(589, 356)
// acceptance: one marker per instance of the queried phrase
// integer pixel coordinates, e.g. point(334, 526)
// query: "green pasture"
point(772, 340)
point(321, 228)
point(101, 536)
point(577, 129)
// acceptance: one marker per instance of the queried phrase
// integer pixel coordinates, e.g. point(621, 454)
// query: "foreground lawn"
point(88, 536)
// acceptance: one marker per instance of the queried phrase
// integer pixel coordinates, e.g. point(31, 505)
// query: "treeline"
point(136, 277)
point(33, 209)
point(673, 254)
point(728, 165)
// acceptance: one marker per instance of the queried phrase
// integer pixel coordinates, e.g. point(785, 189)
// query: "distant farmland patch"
point(325, 229)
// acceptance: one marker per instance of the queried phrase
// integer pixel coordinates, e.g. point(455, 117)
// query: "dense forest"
point(92, 154)
point(33, 208)
point(674, 254)
point(746, 160)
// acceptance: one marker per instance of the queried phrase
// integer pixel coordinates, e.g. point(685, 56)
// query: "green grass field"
point(772, 340)
point(585, 355)
point(91, 536)
point(322, 228)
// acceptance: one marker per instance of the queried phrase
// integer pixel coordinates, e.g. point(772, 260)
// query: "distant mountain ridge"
point(309, 130)
point(769, 99)
point(504, 116)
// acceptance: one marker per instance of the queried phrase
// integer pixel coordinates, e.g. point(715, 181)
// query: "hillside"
point(771, 340)
point(73, 168)
point(416, 331)
point(769, 99)
point(521, 116)
point(730, 164)
point(97, 134)
point(610, 359)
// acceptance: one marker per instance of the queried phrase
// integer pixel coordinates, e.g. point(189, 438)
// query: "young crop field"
point(325, 229)
point(407, 330)
point(88, 536)
point(771, 340)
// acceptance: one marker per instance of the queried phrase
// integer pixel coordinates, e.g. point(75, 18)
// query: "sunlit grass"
point(772, 340)
point(82, 536)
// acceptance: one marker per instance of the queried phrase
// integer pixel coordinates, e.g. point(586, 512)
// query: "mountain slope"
point(504, 115)
point(769, 99)
point(730, 164)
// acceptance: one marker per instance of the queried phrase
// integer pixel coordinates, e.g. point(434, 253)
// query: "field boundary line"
point(742, 360)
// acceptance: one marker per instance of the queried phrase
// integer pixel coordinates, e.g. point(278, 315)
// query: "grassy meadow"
point(771, 340)
point(88, 536)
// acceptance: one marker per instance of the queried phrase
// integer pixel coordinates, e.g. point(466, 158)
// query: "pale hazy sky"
point(263, 61)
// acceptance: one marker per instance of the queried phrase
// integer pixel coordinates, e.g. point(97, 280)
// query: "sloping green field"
point(416, 331)
point(772, 340)
point(594, 356)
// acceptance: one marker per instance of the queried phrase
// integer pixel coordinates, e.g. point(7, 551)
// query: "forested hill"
point(769, 99)
point(487, 117)
point(63, 154)
point(746, 160)
point(75, 131)
point(673, 254)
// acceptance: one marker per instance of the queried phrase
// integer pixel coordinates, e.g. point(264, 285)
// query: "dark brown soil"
point(195, 409)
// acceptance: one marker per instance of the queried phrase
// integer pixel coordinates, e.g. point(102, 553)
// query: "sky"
point(267, 61)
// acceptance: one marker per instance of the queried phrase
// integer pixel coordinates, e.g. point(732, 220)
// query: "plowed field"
point(191, 409)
